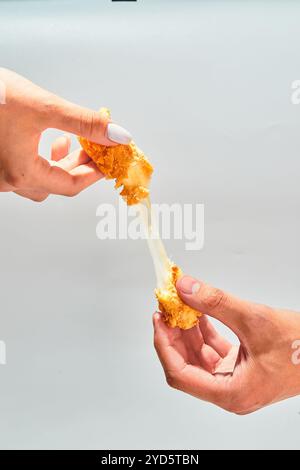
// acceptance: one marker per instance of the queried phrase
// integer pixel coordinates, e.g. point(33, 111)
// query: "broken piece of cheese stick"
point(175, 312)
point(132, 170)
point(125, 163)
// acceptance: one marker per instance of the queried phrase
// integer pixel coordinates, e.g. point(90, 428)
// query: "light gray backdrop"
point(205, 89)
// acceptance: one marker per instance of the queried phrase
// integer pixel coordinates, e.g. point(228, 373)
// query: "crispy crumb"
point(125, 163)
point(175, 312)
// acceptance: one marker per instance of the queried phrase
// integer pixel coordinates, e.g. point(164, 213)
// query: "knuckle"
point(75, 191)
point(241, 410)
point(87, 123)
point(261, 317)
point(239, 403)
point(213, 298)
point(49, 106)
point(171, 380)
point(74, 188)
point(17, 179)
point(71, 193)
point(236, 408)
point(39, 199)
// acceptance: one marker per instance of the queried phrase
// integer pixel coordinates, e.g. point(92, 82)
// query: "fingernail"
point(117, 134)
point(188, 285)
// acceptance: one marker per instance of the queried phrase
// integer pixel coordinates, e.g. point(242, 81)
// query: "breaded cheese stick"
point(131, 169)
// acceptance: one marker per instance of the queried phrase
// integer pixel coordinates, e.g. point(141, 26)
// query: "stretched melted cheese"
point(131, 170)
point(175, 312)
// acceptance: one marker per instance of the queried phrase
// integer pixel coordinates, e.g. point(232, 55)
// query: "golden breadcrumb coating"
point(125, 163)
point(175, 312)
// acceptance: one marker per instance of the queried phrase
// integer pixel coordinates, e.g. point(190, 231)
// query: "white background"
point(205, 89)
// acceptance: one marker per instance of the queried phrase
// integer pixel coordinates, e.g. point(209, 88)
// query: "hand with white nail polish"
point(264, 369)
point(26, 110)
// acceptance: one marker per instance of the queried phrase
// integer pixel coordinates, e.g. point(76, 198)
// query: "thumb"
point(84, 122)
point(231, 311)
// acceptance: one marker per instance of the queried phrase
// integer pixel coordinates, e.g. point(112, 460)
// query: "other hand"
point(264, 369)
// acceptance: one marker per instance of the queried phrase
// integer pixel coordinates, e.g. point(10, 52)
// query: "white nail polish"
point(196, 288)
point(117, 134)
